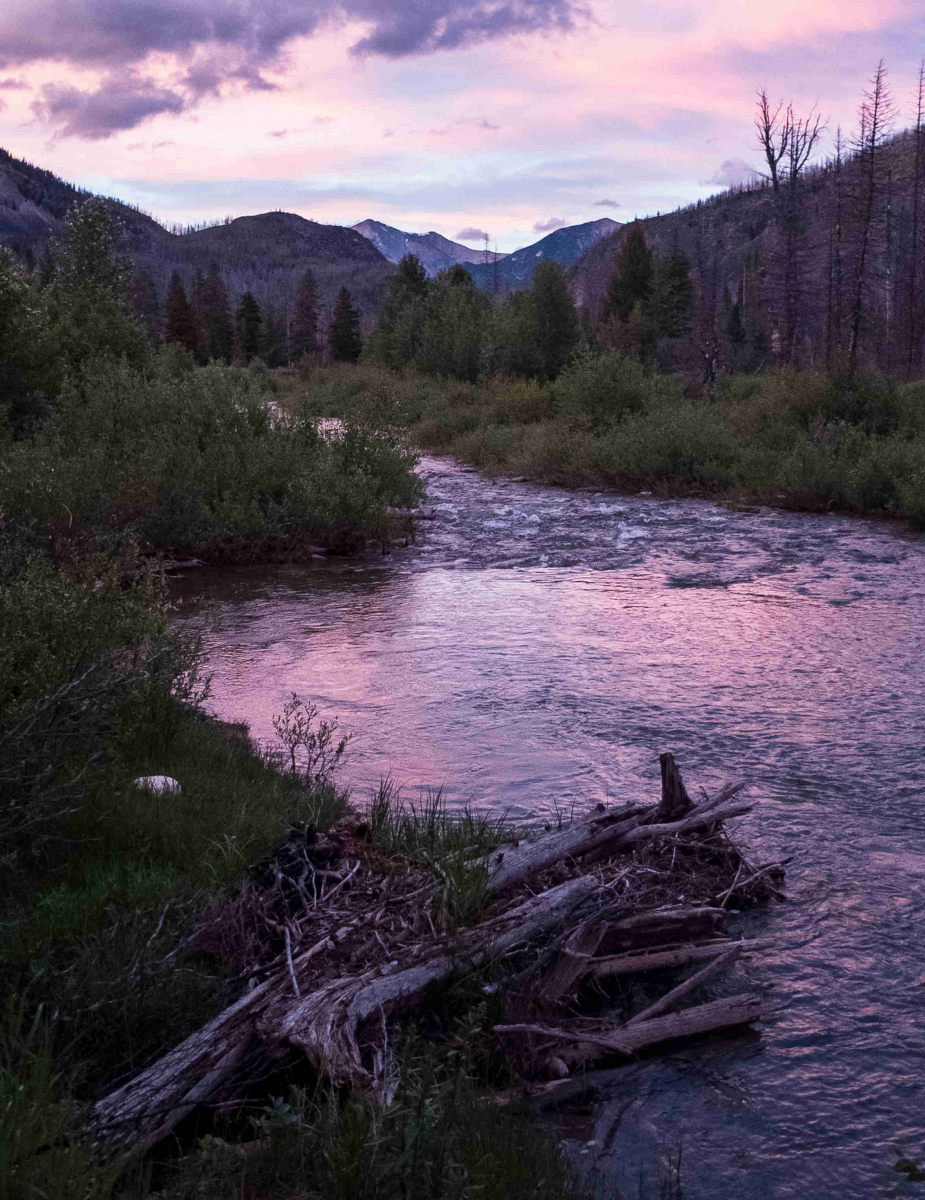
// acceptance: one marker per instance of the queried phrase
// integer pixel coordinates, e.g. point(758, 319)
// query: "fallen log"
point(596, 835)
point(662, 926)
point(324, 1023)
point(589, 1044)
point(662, 1005)
point(340, 1000)
point(638, 961)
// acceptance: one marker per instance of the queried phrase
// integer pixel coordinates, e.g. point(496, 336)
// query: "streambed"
point(537, 649)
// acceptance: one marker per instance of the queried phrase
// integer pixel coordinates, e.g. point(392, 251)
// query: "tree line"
point(203, 322)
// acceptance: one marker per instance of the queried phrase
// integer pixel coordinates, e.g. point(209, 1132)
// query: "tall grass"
point(439, 1139)
point(450, 842)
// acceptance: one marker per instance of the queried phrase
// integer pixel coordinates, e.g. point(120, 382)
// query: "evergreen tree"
point(86, 297)
point(672, 294)
point(631, 281)
point(86, 250)
point(249, 322)
point(408, 283)
point(346, 342)
point(142, 299)
point(556, 319)
point(216, 329)
point(303, 333)
point(180, 324)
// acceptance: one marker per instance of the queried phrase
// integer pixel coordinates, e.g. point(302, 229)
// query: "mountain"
point(265, 254)
point(435, 252)
point(564, 246)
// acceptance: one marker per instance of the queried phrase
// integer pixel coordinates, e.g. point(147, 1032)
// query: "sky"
point(505, 117)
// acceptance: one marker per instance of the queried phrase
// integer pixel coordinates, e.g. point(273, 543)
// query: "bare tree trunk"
point(876, 115)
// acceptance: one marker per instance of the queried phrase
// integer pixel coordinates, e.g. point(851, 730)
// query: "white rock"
point(158, 785)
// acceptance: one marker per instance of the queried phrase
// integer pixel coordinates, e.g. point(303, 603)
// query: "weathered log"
point(661, 1006)
point(612, 831)
point(638, 961)
point(662, 926)
point(587, 1045)
point(325, 1023)
point(572, 964)
point(510, 865)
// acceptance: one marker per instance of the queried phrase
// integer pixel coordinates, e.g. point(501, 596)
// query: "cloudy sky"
point(506, 116)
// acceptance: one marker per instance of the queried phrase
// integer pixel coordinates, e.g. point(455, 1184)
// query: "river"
point(536, 650)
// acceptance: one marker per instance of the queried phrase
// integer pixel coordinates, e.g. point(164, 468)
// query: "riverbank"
point(106, 883)
point(806, 441)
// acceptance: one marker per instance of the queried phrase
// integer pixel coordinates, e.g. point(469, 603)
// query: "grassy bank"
point(806, 440)
point(104, 884)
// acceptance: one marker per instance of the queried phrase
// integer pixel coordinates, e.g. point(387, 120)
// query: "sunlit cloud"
point(451, 115)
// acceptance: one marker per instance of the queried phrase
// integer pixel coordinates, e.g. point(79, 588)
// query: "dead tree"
point(876, 117)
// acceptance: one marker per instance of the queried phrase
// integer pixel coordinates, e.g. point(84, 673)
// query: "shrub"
point(865, 400)
point(605, 387)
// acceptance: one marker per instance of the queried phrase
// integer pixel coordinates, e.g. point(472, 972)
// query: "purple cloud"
point(606, 204)
point(13, 85)
point(121, 102)
point(471, 234)
point(548, 226)
point(222, 41)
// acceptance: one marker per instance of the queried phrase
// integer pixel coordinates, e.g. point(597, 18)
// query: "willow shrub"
point(180, 457)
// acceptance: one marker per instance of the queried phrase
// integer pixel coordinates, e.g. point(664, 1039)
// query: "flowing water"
point(537, 649)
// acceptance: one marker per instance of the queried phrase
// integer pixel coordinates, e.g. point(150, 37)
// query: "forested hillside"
point(265, 256)
point(818, 265)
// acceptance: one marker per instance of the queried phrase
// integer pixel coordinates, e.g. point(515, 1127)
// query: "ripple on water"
point(537, 652)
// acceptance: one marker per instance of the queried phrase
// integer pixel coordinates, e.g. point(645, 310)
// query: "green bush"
point(180, 457)
point(865, 400)
point(606, 388)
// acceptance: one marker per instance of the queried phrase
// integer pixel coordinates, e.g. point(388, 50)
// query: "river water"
point(538, 649)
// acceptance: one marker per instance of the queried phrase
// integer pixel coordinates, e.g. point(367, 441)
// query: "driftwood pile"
point(336, 943)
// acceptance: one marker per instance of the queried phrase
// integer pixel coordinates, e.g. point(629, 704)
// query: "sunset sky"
point(509, 116)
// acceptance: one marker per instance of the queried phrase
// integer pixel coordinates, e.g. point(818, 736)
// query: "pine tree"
point(671, 295)
point(247, 331)
point(85, 253)
point(180, 325)
point(216, 329)
point(303, 335)
point(346, 342)
point(556, 328)
point(631, 281)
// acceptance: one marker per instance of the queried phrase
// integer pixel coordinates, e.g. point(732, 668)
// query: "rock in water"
point(158, 785)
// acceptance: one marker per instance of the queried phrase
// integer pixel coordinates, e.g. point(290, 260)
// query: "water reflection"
point(540, 648)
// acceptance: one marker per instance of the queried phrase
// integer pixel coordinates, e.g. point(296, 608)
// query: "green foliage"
point(672, 294)
point(24, 344)
point(445, 326)
point(605, 387)
point(247, 329)
point(40, 1156)
point(85, 254)
point(631, 281)
point(556, 320)
point(181, 456)
point(439, 1139)
point(862, 399)
point(346, 342)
